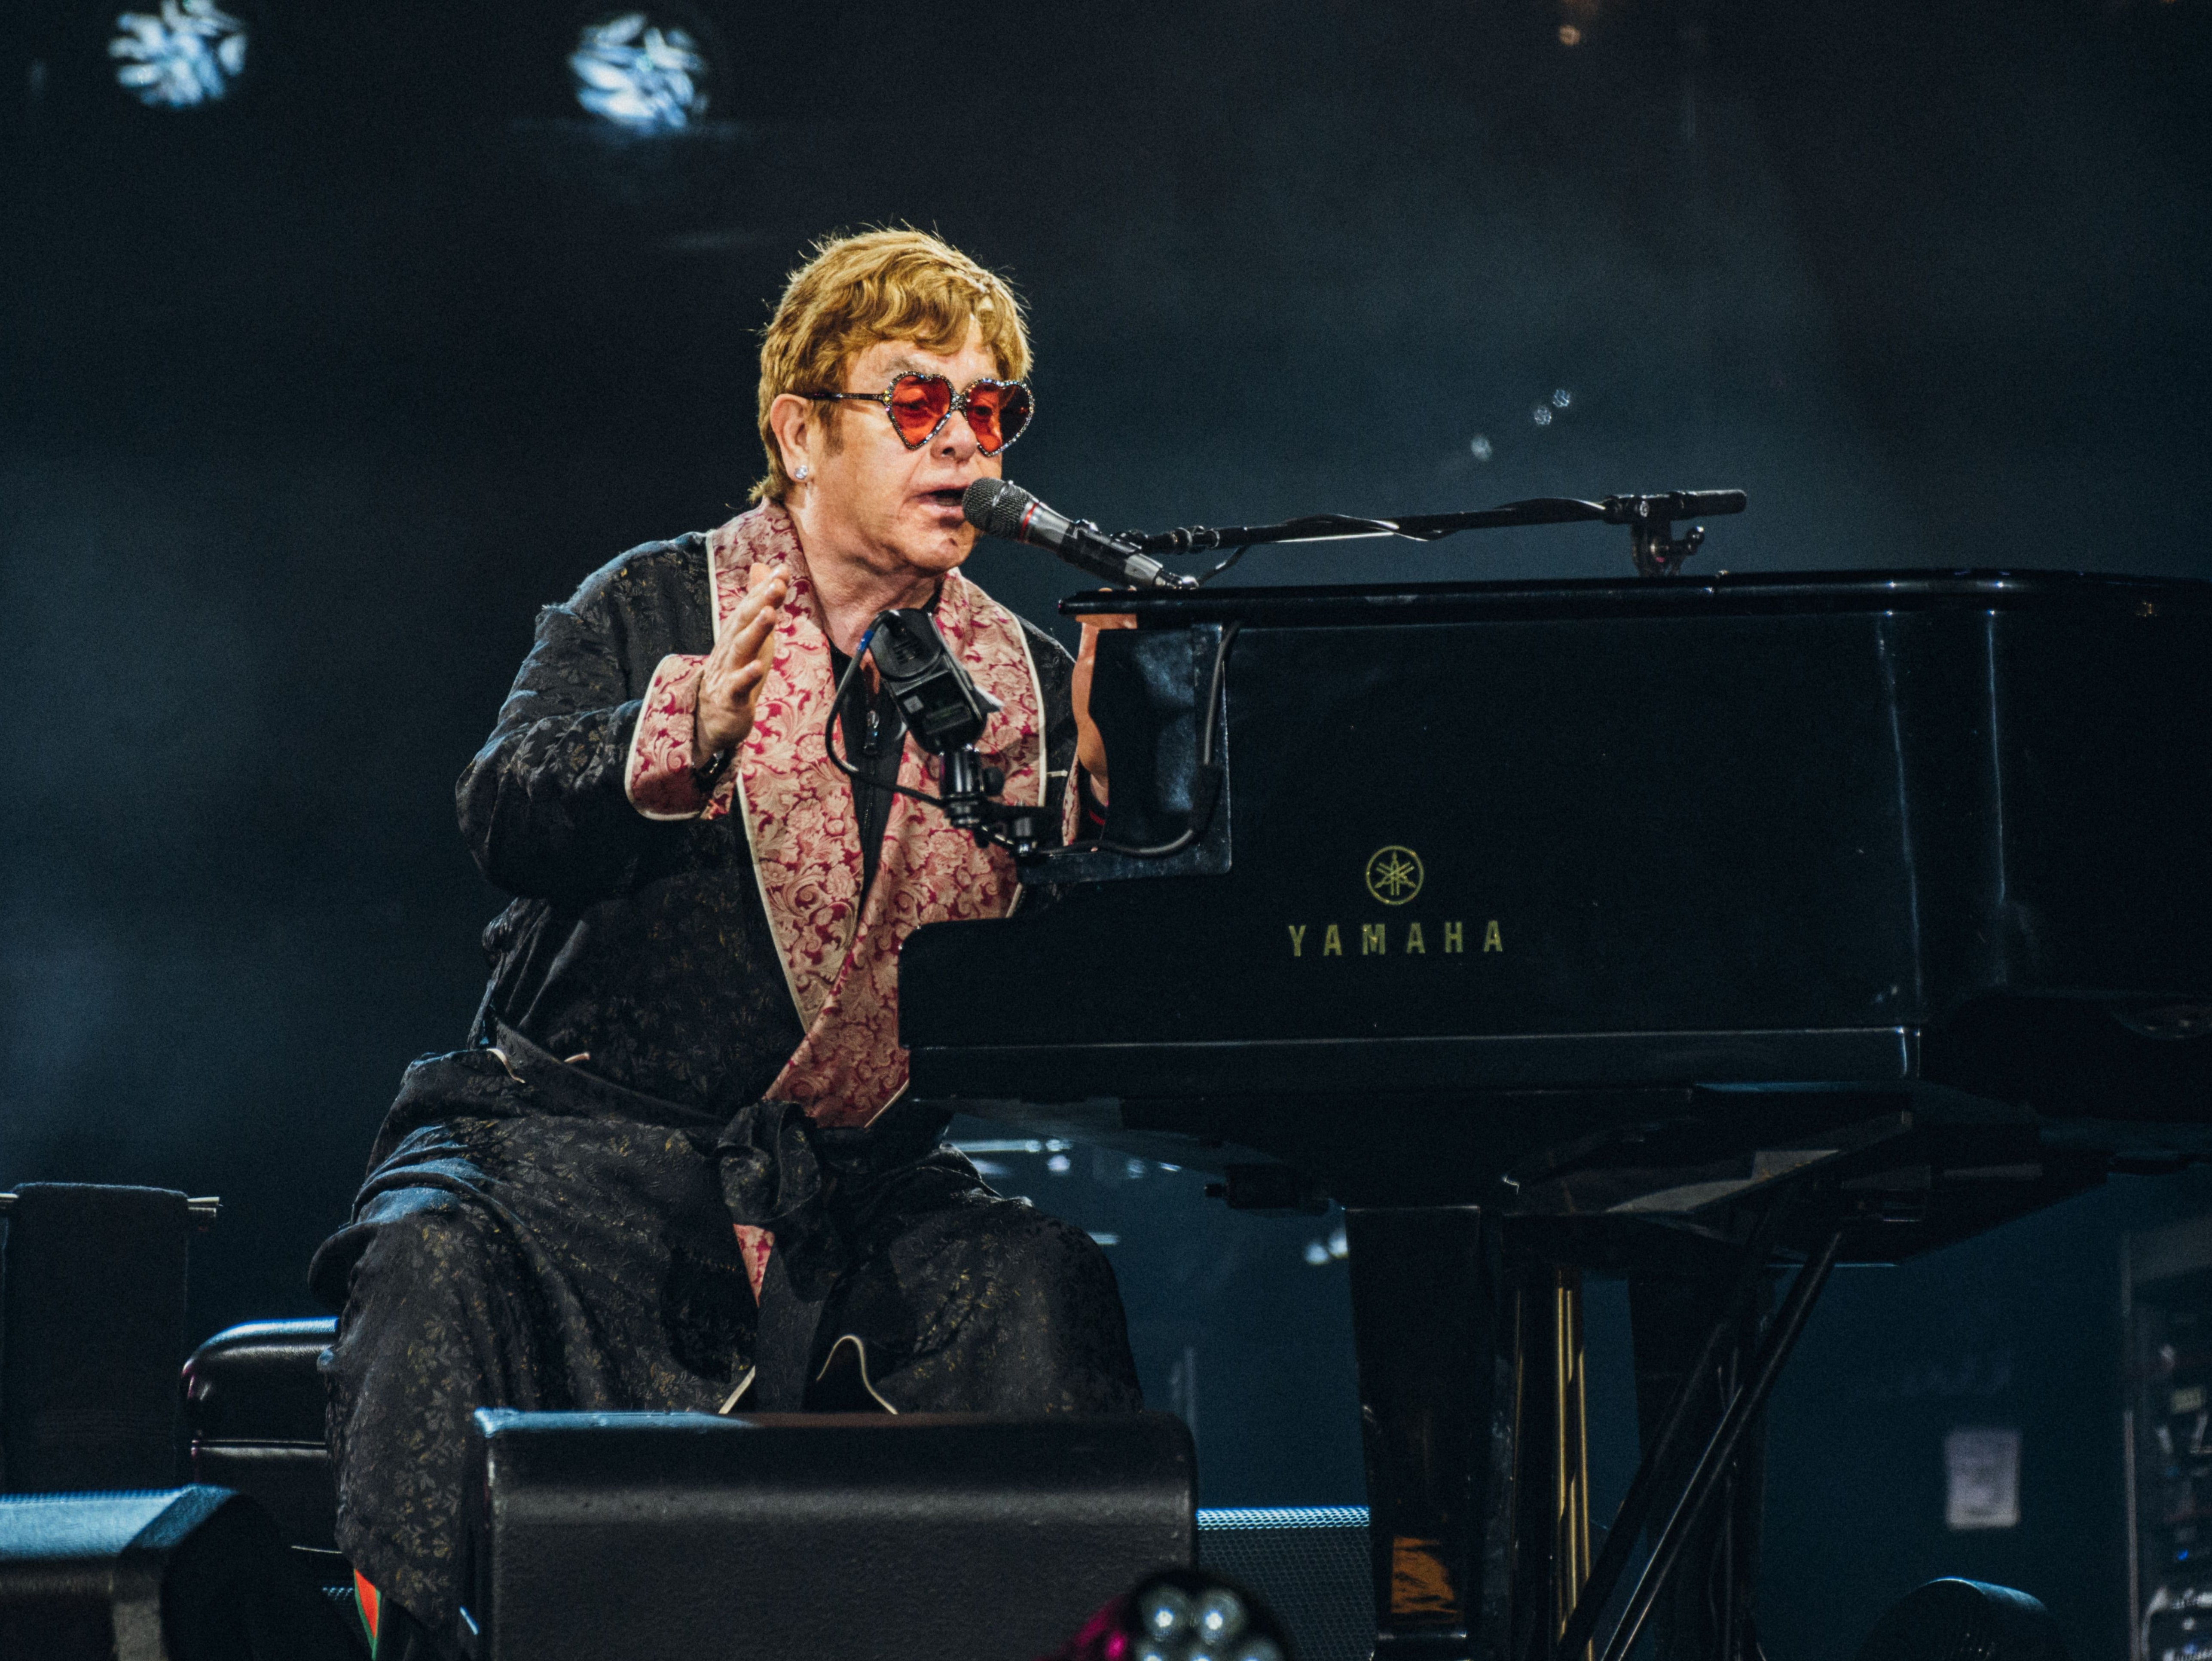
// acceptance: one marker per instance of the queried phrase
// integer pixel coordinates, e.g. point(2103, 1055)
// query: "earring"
point(801, 470)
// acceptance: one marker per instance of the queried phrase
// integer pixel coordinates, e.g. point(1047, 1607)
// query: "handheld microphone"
point(998, 507)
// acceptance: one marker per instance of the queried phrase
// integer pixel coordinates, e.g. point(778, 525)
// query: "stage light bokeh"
point(640, 74)
point(191, 53)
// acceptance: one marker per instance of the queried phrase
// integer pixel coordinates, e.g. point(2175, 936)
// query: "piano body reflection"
point(1690, 927)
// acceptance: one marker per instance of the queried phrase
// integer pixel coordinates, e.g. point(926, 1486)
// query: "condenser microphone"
point(999, 509)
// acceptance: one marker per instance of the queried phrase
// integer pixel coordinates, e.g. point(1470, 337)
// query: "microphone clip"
point(946, 712)
point(1651, 542)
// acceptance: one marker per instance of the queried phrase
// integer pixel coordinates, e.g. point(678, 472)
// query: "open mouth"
point(949, 499)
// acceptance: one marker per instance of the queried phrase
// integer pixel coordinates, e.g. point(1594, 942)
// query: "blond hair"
point(877, 285)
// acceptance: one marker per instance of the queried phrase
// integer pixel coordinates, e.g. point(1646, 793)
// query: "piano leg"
point(1433, 1319)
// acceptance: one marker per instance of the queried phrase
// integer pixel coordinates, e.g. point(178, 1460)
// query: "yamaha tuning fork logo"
point(1393, 874)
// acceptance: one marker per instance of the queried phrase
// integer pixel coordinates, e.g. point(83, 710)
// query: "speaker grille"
point(1310, 1563)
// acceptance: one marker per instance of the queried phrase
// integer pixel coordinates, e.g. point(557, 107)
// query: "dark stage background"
point(312, 396)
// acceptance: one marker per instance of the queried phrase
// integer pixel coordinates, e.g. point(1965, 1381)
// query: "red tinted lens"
point(918, 404)
point(997, 413)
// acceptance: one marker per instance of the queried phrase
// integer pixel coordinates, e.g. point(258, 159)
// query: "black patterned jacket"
point(641, 941)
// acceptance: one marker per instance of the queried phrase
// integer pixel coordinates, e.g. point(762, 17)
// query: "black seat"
point(254, 1400)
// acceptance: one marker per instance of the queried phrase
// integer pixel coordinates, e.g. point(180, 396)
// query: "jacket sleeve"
point(543, 804)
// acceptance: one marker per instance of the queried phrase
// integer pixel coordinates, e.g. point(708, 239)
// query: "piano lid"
point(1715, 594)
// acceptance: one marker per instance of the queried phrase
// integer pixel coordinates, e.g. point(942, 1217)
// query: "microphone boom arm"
point(1649, 519)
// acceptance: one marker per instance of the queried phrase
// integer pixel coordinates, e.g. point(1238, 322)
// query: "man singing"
point(672, 1170)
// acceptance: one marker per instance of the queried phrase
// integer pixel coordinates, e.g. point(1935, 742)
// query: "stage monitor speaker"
point(1953, 1619)
point(180, 1574)
point(794, 1537)
point(1310, 1562)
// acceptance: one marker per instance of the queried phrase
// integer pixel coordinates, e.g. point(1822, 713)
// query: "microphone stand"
point(1650, 519)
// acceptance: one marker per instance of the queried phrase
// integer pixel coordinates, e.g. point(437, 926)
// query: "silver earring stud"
point(801, 470)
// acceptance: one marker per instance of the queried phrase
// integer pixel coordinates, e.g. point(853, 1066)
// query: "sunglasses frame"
point(959, 406)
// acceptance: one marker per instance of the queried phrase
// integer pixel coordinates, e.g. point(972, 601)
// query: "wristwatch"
point(708, 773)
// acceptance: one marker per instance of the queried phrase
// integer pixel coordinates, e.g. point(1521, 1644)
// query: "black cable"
point(1206, 765)
point(1192, 831)
point(1236, 554)
point(830, 728)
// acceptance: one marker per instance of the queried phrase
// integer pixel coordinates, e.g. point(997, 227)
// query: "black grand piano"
point(1699, 929)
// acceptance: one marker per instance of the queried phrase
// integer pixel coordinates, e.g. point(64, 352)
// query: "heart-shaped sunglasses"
point(919, 405)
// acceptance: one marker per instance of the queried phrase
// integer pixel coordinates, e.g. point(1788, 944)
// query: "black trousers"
point(520, 1252)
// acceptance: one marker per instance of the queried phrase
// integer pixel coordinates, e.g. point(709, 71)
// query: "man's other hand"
point(730, 684)
point(1090, 748)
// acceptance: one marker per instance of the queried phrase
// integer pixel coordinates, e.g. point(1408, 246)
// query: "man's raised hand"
point(730, 684)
